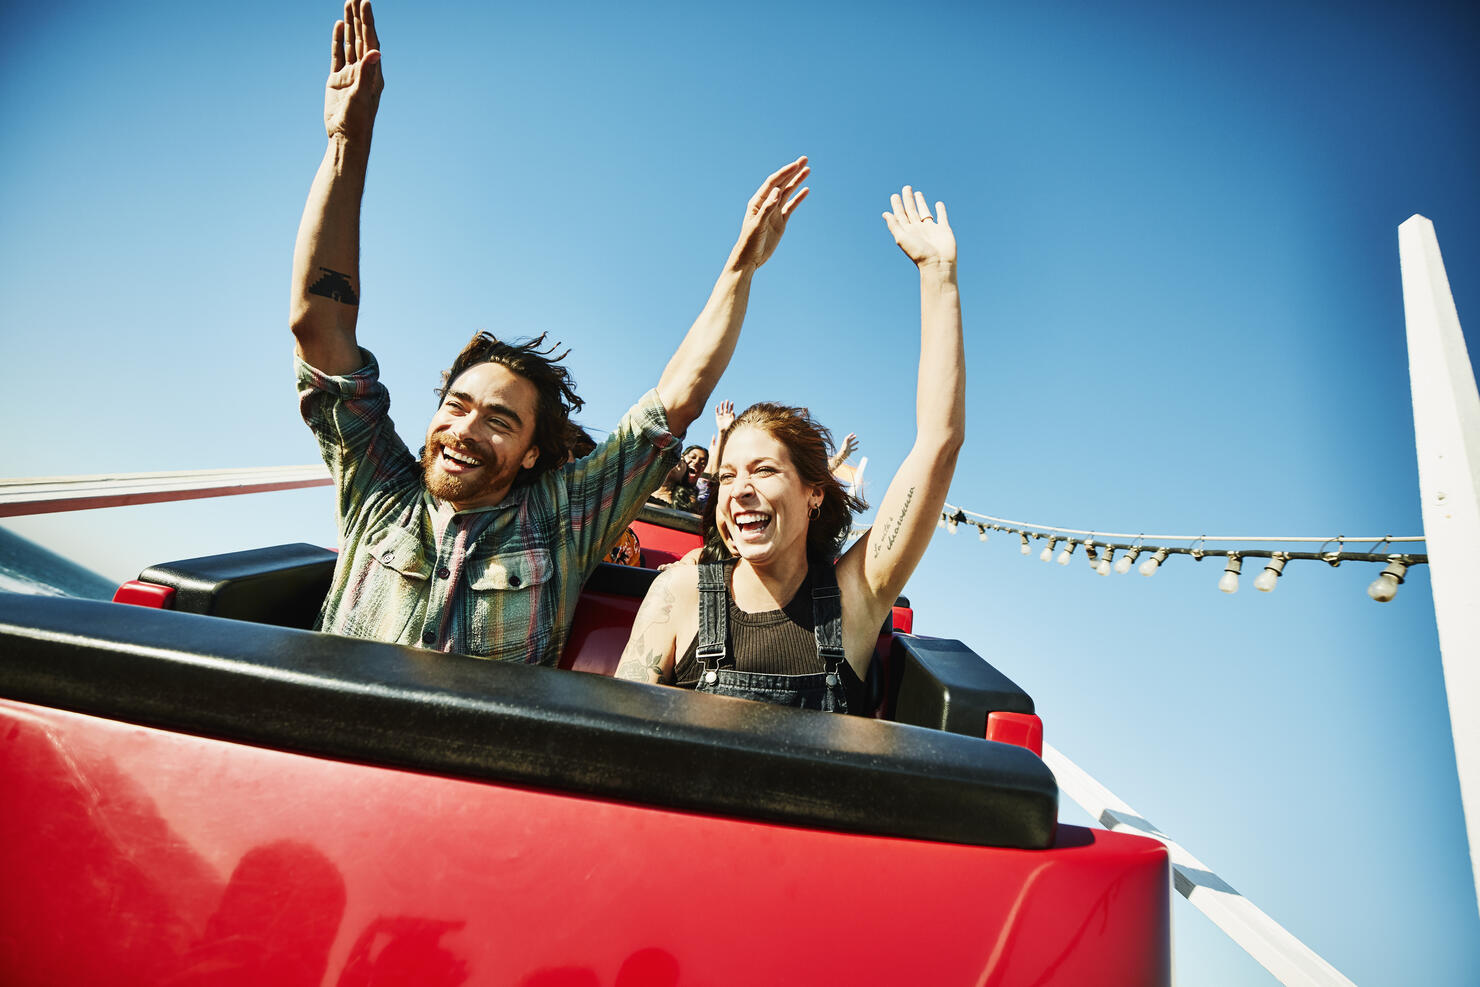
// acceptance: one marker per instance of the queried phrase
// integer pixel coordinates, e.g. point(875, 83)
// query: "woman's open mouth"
point(752, 522)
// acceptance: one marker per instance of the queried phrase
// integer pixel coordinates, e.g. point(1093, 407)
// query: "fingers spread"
point(796, 200)
point(785, 171)
point(898, 207)
point(336, 48)
point(908, 195)
point(797, 178)
point(787, 175)
point(920, 207)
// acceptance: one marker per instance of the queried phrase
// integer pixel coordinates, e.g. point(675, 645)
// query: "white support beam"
point(49, 495)
point(1446, 425)
point(1290, 960)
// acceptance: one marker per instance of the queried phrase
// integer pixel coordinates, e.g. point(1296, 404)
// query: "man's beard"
point(457, 489)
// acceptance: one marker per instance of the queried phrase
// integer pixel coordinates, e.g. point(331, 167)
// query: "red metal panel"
point(1022, 729)
point(663, 545)
point(146, 595)
point(137, 856)
point(598, 632)
point(904, 620)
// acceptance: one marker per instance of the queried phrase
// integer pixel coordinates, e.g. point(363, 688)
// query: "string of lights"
point(1118, 551)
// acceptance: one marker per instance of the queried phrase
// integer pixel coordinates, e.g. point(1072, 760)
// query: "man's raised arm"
point(701, 358)
point(325, 298)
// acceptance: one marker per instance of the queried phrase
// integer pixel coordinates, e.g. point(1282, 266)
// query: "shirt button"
point(514, 581)
point(429, 637)
point(443, 572)
point(386, 556)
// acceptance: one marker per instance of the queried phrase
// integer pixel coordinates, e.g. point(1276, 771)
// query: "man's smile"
point(456, 461)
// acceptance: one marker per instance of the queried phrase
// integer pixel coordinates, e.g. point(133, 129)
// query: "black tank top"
point(773, 642)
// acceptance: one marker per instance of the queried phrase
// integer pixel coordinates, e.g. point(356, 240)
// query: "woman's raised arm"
point(888, 554)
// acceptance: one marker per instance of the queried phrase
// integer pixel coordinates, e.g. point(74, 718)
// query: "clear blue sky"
point(1183, 309)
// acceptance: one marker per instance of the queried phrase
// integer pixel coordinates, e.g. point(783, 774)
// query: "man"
point(482, 544)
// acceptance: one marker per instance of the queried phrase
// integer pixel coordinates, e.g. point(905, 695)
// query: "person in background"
point(679, 489)
point(780, 617)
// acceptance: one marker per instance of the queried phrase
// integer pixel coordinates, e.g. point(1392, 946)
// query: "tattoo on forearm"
point(890, 530)
point(631, 666)
point(641, 665)
point(652, 664)
point(334, 285)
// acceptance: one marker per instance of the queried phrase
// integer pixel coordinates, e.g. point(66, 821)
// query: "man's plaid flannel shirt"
point(500, 582)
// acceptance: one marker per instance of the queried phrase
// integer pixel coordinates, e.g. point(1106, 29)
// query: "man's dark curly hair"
point(531, 359)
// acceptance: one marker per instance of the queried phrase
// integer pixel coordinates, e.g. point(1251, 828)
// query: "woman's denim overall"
point(717, 673)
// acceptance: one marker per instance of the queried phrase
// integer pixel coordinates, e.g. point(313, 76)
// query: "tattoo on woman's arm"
point(890, 529)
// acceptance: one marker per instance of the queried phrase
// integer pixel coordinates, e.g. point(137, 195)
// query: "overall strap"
point(714, 616)
point(827, 616)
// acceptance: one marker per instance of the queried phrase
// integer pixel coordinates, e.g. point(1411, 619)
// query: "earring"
point(816, 510)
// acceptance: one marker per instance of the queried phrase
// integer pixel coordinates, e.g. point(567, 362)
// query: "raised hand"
point(925, 240)
point(767, 213)
point(352, 94)
point(724, 415)
point(849, 447)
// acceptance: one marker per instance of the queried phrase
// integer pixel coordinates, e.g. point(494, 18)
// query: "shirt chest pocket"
point(510, 571)
point(400, 550)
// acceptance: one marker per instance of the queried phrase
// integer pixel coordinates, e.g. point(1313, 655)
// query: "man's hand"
point(701, 358)
point(923, 239)
point(767, 213)
point(352, 94)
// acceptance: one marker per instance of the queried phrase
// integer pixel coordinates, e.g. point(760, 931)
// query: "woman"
point(776, 621)
point(679, 488)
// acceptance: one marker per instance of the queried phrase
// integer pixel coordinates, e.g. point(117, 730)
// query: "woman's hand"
point(767, 213)
point(924, 240)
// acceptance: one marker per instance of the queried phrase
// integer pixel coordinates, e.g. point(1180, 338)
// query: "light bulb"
point(1148, 568)
point(1026, 549)
point(951, 523)
point(942, 522)
point(1124, 563)
point(1104, 567)
point(1064, 555)
point(1266, 580)
point(1385, 586)
point(982, 532)
point(1229, 582)
point(1047, 553)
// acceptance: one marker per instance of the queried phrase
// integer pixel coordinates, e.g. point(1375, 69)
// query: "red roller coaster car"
point(202, 791)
